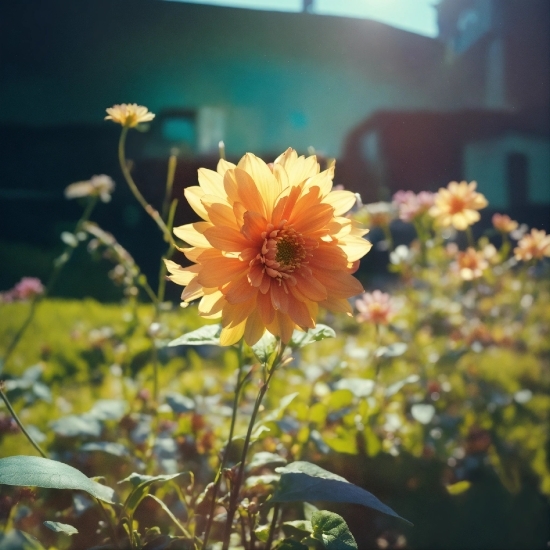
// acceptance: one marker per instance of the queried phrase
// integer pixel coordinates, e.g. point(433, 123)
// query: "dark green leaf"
point(61, 527)
point(299, 528)
point(34, 471)
point(303, 481)
point(208, 335)
point(332, 531)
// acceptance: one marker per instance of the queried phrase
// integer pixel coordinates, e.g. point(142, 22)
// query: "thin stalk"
point(20, 424)
point(233, 501)
point(272, 527)
point(136, 192)
point(162, 271)
point(217, 480)
point(67, 254)
point(388, 236)
point(172, 163)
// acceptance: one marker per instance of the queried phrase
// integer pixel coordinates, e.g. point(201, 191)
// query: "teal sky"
point(417, 16)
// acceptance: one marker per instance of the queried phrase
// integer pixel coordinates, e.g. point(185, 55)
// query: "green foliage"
point(332, 531)
point(34, 471)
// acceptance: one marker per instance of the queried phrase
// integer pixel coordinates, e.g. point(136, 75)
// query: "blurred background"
point(405, 94)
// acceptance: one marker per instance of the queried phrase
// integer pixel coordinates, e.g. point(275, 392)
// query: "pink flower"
point(25, 289)
point(376, 307)
point(412, 205)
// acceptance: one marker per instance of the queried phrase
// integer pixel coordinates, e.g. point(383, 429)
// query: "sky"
point(418, 16)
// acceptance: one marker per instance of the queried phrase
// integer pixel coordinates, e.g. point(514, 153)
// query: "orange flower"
point(503, 223)
point(129, 114)
point(272, 248)
point(458, 205)
point(471, 264)
point(534, 245)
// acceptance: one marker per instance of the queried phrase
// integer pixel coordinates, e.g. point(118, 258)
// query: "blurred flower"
point(458, 205)
point(411, 206)
point(25, 289)
point(273, 246)
point(534, 245)
point(129, 114)
point(503, 223)
point(471, 264)
point(379, 214)
point(101, 186)
point(376, 307)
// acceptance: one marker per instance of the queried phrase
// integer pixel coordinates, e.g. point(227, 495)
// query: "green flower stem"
point(20, 424)
point(162, 271)
point(238, 389)
point(235, 489)
point(67, 254)
point(172, 163)
point(388, 236)
point(136, 192)
point(273, 526)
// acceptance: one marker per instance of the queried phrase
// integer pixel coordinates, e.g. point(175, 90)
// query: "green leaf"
point(115, 449)
point(283, 404)
point(264, 347)
point(320, 332)
point(208, 335)
point(303, 481)
point(332, 531)
point(299, 528)
point(141, 488)
point(35, 471)
point(265, 459)
point(262, 532)
point(61, 527)
point(393, 350)
point(18, 540)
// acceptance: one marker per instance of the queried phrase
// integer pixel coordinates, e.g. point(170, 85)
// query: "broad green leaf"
point(332, 531)
point(61, 527)
point(265, 459)
point(180, 403)
point(320, 332)
point(265, 346)
point(208, 335)
point(266, 479)
point(109, 447)
point(309, 510)
point(73, 425)
point(18, 540)
point(303, 481)
point(35, 471)
point(393, 350)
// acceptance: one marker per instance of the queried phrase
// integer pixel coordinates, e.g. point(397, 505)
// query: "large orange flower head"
point(458, 205)
point(273, 246)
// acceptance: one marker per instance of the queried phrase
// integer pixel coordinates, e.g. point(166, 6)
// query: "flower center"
point(456, 205)
point(283, 251)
